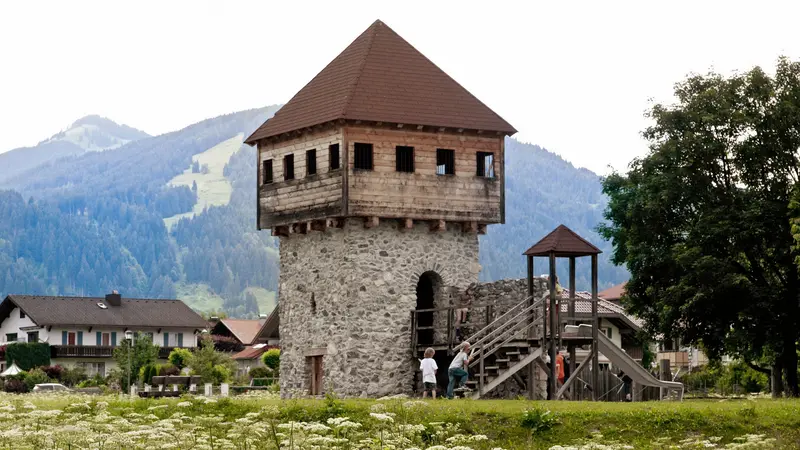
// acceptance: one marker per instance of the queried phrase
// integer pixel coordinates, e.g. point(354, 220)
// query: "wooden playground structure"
point(516, 339)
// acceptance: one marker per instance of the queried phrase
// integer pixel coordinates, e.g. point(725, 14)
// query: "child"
point(428, 367)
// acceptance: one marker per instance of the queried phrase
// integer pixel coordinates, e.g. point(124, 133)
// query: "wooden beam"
point(481, 228)
point(438, 225)
point(469, 227)
point(319, 225)
point(406, 224)
point(371, 222)
point(574, 376)
point(280, 231)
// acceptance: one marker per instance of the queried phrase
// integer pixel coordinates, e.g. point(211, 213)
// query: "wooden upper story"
point(381, 132)
point(385, 172)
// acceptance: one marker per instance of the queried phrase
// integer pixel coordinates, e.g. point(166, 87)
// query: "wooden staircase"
point(506, 345)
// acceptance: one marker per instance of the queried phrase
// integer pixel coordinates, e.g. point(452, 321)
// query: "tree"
point(179, 357)
point(701, 221)
point(212, 366)
point(272, 359)
point(143, 353)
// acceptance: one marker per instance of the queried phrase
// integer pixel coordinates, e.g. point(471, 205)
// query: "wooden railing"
point(81, 351)
point(94, 351)
point(441, 330)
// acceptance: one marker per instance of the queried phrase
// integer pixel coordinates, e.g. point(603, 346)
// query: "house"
point(83, 331)
point(233, 335)
point(614, 293)
point(680, 356)
point(615, 323)
point(266, 338)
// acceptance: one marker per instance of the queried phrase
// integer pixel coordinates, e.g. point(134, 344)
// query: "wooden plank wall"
point(384, 192)
point(306, 197)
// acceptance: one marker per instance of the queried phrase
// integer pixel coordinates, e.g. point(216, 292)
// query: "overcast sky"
point(573, 77)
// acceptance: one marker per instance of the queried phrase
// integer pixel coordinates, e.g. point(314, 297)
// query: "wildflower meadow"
point(262, 421)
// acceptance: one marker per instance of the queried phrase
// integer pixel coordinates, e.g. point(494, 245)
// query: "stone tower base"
point(346, 297)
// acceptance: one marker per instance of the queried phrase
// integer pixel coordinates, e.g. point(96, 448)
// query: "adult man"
point(458, 370)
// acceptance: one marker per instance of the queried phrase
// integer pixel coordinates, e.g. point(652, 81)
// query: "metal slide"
point(628, 365)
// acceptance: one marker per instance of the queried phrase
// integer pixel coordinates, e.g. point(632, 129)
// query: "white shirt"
point(458, 361)
point(428, 367)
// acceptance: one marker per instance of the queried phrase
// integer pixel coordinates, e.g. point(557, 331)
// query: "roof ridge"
point(372, 30)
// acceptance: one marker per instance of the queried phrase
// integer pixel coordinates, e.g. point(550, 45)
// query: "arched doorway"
point(428, 285)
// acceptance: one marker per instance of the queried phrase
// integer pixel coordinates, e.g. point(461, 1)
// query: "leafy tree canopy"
point(702, 221)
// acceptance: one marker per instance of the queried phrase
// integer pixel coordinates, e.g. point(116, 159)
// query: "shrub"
point(220, 374)
point(55, 372)
point(28, 355)
point(168, 370)
point(15, 386)
point(179, 357)
point(95, 381)
point(147, 373)
point(73, 376)
point(272, 359)
point(260, 372)
point(539, 420)
point(36, 376)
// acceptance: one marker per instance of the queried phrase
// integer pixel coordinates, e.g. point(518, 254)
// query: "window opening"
point(311, 162)
point(288, 167)
point(404, 158)
point(363, 156)
point(268, 171)
point(485, 165)
point(333, 156)
point(313, 304)
point(445, 161)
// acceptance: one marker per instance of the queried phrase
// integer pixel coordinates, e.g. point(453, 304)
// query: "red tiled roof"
point(380, 77)
point(563, 242)
point(252, 352)
point(244, 330)
point(614, 292)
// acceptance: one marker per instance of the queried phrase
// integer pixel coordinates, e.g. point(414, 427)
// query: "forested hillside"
point(123, 196)
point(94, 222)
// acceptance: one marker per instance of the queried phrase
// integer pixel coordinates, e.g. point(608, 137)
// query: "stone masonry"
point(348, 294)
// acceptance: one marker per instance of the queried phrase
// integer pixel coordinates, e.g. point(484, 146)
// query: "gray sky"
point(574, 77)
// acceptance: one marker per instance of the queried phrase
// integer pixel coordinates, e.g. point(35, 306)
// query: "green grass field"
point(213, 189)
point(264, 422)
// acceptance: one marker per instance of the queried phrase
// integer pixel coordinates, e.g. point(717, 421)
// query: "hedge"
point(27, 355)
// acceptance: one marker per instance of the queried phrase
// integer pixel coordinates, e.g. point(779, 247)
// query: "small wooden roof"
point(380, 77)
point(564, 243)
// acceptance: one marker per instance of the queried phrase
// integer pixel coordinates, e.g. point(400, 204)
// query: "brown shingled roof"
point(380, 77)
point(563, 242)
point(84, 311)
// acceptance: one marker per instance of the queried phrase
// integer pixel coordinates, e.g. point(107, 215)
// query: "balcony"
point(81, 351)
point(94, 351)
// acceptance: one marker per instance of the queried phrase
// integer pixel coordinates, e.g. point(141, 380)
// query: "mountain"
point(174, 215)
point(88, 134)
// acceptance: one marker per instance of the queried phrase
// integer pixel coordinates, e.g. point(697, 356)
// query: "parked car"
point(50, 387)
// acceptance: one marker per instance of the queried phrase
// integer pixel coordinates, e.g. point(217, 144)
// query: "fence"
point(611, 389)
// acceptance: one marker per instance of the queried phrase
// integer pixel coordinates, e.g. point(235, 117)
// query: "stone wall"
point(348, 293)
